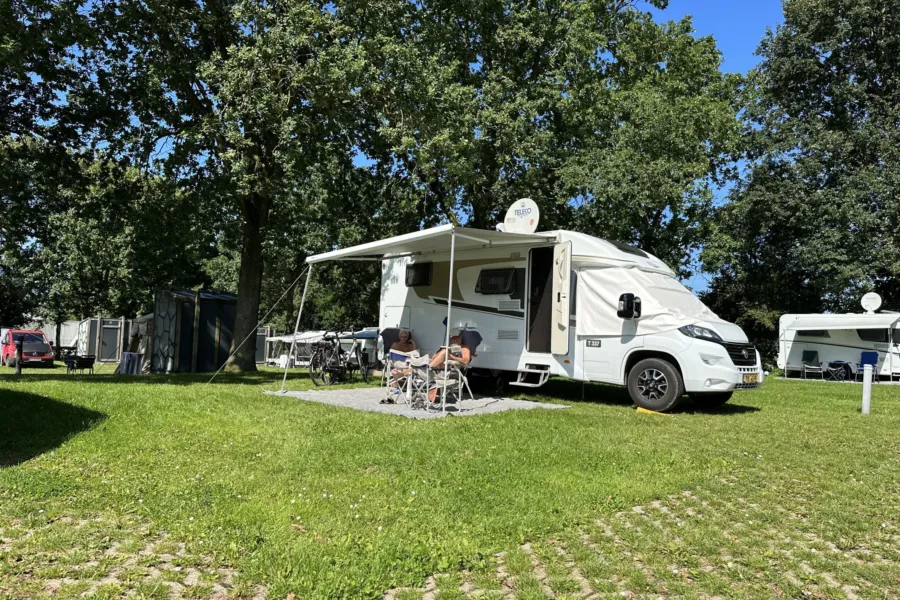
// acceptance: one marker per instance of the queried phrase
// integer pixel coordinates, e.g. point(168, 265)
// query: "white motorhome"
point(560, 303)
point(840, 338)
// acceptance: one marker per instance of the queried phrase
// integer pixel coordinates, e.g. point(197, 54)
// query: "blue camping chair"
point(867, 358)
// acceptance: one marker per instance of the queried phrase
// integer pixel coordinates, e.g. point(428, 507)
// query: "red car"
point(36, 348)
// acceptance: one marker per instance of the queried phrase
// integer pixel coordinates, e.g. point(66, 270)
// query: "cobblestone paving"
point(98, 558)
point(687, 545)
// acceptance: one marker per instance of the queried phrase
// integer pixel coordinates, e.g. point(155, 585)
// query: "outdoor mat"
point(368, 399)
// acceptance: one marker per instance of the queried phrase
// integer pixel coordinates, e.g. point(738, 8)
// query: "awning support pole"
point(447, 330)
point(287, 363)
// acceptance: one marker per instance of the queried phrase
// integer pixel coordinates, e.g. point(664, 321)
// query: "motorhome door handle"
point(557, 296)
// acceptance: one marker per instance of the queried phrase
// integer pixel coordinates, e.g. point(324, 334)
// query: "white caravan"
point(560, 303)
point(840, 337)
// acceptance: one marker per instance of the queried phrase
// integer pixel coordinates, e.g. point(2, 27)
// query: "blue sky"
point(737, 25)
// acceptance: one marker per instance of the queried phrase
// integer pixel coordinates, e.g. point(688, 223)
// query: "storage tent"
point(192, 331)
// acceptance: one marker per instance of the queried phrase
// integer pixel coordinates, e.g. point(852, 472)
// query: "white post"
point(287, 363)
point(867, 390)
point(447, 331)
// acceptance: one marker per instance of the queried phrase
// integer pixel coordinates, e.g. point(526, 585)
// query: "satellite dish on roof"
point(871, 302)
point(522, 216)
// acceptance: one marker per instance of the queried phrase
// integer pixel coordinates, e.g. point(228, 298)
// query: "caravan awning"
point(819, 322)
point(436, 239)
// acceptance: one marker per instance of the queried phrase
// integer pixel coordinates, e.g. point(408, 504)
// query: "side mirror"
point(626, 306)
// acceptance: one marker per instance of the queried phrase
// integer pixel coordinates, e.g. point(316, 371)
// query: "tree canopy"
point(219, 143)
point(813, 222)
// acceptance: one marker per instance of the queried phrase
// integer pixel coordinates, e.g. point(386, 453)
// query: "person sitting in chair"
point(404, 343)
point(456, 351)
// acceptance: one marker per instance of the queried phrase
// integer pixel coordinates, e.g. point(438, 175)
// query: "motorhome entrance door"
point(562, 269)
point(540, 303)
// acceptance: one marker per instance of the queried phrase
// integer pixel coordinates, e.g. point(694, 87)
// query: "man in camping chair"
point(457, 356)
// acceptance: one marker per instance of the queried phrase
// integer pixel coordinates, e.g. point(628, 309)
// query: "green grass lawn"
point(159, 486)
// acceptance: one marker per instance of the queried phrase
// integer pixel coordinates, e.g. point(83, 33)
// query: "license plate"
point(751, 378)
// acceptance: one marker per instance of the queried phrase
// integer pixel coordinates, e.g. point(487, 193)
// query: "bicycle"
point(330, 363)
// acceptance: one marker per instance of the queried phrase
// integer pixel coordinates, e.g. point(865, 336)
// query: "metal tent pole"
point(287, 363)
point(447, 330)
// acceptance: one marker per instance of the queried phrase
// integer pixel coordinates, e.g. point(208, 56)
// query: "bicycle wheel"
point(317, 371)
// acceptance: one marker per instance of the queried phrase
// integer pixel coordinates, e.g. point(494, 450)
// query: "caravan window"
point(873, 335)
point(418, 274)
point(495, 281)
point(819, 333)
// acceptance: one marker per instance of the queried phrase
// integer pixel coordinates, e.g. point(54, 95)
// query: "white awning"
point(850, 321)
point(299, 337)
point(436, 239)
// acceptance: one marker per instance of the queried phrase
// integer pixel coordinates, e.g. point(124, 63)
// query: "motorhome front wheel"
point(655, 384)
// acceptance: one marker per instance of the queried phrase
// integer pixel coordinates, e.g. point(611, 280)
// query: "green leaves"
point(812, 224)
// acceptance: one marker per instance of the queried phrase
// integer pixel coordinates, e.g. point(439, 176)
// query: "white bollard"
point(867, 389)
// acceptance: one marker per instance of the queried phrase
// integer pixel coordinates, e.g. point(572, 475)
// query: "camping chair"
point(867, 358)
point(810, 364)
point(394, 363)
point(457, 382)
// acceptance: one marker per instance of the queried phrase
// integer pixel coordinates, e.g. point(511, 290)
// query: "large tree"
point(815, 220)
point(613, 122)
point(249, 94)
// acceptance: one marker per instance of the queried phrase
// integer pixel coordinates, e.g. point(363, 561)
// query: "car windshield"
point(29, 337)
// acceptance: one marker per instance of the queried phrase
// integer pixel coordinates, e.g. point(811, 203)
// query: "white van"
point(560, 303)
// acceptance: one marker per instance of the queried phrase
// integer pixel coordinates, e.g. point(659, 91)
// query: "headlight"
point(701, 333)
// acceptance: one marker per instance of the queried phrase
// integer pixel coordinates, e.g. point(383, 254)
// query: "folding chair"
point(395, 363)
point(457, 382)
point(867, 358)
point(810, 363)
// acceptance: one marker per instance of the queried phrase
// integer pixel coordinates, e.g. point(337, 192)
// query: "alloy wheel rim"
point(652, 384)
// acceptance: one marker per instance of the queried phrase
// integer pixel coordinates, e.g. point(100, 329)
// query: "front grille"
point(736, 352)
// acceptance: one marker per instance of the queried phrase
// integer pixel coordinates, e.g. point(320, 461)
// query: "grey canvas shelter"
point(191, 332)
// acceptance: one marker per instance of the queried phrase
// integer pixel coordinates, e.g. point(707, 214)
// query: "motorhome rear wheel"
point(655, 384)
point(709, 400)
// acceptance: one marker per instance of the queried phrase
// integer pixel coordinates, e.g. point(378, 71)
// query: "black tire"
point(710, 400)
point(317, 371)
point(11, 362)
point(655, 384)
point(501, 384)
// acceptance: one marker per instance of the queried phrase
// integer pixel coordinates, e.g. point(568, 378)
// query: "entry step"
point(532, 376)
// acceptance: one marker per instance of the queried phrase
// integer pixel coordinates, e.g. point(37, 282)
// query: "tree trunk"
point(249, 287)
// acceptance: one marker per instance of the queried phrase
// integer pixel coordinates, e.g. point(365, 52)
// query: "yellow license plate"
point(751, 378)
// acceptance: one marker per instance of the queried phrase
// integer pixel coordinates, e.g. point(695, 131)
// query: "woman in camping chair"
point(403, 343)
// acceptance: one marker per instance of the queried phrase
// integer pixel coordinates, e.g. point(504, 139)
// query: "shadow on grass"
point(613, 395)
point(32, 425)
point(258, 378)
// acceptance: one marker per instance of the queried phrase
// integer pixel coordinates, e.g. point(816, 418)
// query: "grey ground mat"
point(368, 399)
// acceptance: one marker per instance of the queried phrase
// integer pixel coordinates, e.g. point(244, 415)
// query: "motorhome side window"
point(495, 281)
point(418, 274)
point(873, 335)
point(819, 333)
